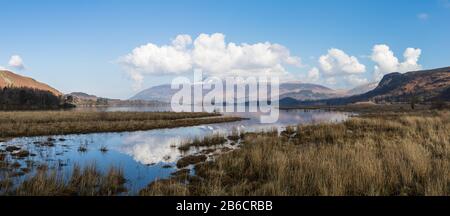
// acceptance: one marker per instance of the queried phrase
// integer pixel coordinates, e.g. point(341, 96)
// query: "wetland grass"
point(39, 123)
point(373, 155)
point(207, 141)
point(87, 181)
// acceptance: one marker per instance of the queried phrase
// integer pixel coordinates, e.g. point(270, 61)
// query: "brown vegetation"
point(213, 140)
point(389, 154)
point(88, 181)
point(13, 124)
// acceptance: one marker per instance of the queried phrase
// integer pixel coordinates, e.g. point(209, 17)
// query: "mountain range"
point(293, 90)
point(422, 86)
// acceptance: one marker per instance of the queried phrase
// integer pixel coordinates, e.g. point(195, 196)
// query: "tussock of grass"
point(14, 124)
point(401, 154)
point(212, 140)
point(191, 159)
point(88, 181)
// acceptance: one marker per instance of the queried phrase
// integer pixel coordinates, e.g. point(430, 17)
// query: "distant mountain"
point(362, 89)
point(83, 96)
point(307, 91)
point(161, 93)
point(84, 99)
point(12, 80)
point(425, 86)
point(296, 90)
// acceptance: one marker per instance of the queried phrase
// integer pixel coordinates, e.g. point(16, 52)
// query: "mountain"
point(12, 80)
point(83, 96)
point(362, 89)
point(425, 86)
point(296, 90)
point(307, 91)
point(161, 93)
point(84, 99)
point(24, 93)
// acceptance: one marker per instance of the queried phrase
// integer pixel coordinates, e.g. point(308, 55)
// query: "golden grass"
point(211, 140)
point(88, 181)
point(14, 124)
point(388, 154)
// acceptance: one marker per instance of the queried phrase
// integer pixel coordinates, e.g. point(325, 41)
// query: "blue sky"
point(77, 45)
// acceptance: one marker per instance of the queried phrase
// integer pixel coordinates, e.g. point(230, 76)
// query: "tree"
point(414, 100)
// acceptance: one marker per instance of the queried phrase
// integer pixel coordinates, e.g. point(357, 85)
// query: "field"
point(377, 154)
point(15, 124)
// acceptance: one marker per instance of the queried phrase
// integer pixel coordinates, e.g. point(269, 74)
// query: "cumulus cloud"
point(16, 62)
point(386, 62)
point(354, 80)
point(210, 53)
point(331, 81)
point(337, 62)
point(313, 75)
point(339, 68)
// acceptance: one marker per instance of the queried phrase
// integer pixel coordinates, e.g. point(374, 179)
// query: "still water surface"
point(146, 156)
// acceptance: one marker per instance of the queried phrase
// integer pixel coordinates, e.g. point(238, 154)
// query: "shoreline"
point(49, 123)
point(324, 159)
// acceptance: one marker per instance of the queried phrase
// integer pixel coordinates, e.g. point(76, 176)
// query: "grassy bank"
point(14, 124)
point(87, 181)
point(378, 154)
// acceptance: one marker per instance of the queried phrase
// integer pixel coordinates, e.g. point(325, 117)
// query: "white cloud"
point(313, 75)
point(354, 80)
point(423, 16)
point(386, 62)
point(211, 54)
point(16, 62)
point(182, 41)
point(337, 62)
point(331, 81)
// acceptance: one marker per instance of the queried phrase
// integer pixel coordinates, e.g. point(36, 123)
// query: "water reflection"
point(146, 155)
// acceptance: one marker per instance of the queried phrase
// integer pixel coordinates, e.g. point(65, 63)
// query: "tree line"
point(28, 98)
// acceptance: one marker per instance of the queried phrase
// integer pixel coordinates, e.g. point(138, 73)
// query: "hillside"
point(84, 99)
point(298, 91)
point(12, 80)
point(24, 93)
point(362, 89)
point(423, 86)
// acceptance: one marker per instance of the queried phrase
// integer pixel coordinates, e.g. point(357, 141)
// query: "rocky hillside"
point(362, 89)
point(421, 86)
point(425, 85)
point(12, 80)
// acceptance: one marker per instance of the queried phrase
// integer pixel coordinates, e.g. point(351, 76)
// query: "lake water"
point(146, 156)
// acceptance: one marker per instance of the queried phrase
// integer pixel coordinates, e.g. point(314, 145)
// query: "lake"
point(146, 156)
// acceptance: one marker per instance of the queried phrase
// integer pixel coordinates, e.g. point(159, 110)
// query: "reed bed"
point(87, 181)
point(15, 124)
point(376, 155)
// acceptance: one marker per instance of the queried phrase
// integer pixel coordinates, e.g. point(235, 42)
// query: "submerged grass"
point(382, 154)
point(14, 124)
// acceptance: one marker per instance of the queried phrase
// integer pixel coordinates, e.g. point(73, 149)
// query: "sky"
point(116, 48)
